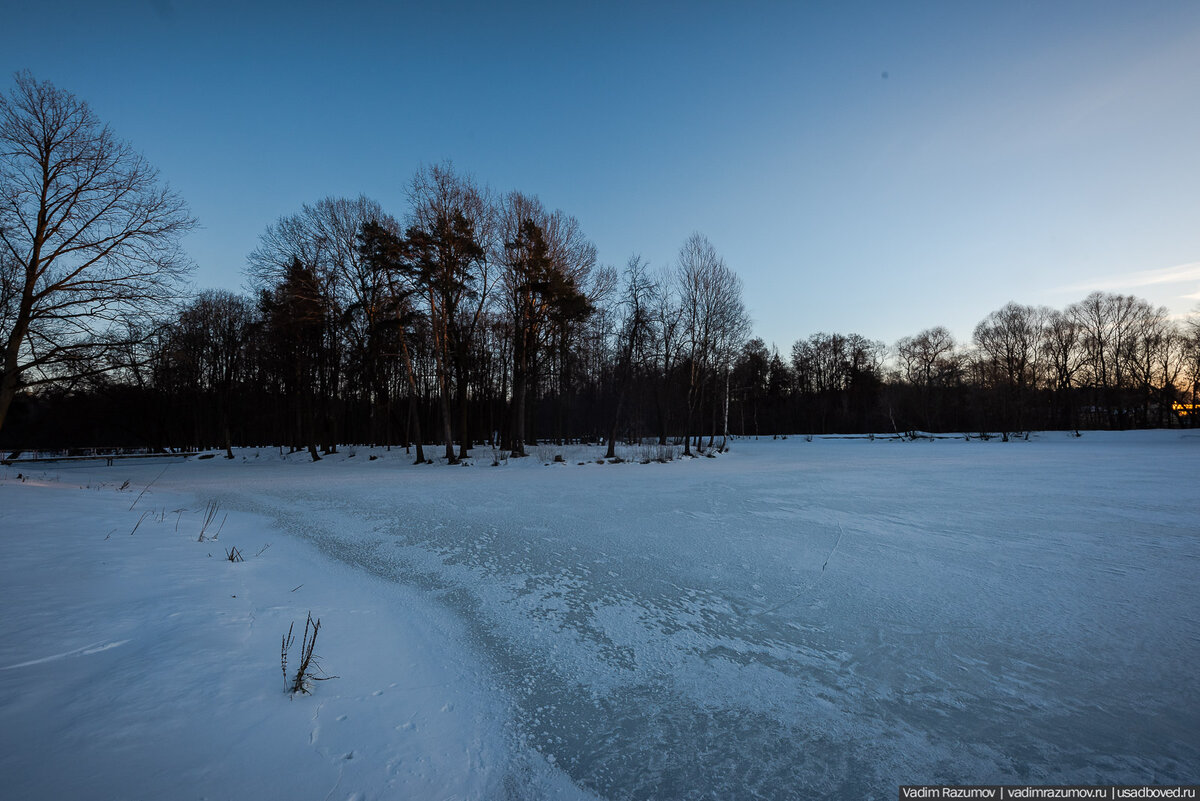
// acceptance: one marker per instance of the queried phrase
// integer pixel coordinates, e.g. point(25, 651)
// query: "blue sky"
point(869, 167)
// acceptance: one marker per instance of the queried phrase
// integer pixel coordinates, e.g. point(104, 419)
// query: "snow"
point(792, 619)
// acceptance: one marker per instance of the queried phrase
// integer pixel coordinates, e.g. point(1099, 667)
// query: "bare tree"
point(714, 320)
point(925, 357)
point(732, 329)
point(1009, 340)
point(638, 294)
point(89, 239)
point(666, 325)
point(1106, 323)
point(1064, 356)
point(1156, 357)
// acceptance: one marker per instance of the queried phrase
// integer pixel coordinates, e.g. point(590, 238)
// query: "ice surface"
point(791, 619)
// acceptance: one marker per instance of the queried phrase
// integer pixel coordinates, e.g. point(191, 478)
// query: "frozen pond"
point(803, 619)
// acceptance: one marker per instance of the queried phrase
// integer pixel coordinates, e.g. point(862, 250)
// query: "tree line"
point(475, 318)
point(1109, 361)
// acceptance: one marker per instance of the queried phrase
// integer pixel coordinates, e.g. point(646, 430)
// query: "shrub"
point(301, 682)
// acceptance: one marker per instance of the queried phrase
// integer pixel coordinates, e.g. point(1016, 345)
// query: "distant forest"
point(477, 318)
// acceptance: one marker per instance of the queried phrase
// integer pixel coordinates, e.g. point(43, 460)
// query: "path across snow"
point(791, 619)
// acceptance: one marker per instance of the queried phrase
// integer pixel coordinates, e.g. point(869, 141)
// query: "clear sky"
point(869, 167)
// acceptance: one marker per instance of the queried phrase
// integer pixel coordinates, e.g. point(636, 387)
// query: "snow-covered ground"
point(792, 619)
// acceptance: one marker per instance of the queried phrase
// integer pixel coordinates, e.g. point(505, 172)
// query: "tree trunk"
point(413, 415)
point(414, 420)
point(517, 446)
point(464, 432)
point(308, 424)
point(725, 425)
point(8, 391)
point(520, 388)
point(611, 453)
point(660, 415)
point(444, 405)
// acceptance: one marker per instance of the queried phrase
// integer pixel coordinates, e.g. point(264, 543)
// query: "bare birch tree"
point(714, 321)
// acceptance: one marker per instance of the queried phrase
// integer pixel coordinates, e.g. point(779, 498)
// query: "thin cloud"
point(1167, 275)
